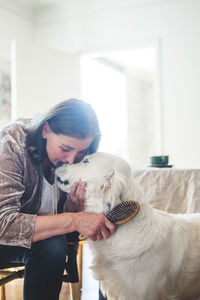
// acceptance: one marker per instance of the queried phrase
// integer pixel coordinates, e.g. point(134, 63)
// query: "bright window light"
point(103, 85)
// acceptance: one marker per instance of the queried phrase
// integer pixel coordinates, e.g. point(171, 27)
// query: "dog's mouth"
point(65, 182)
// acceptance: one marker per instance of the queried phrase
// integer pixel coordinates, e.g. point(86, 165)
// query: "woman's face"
point(63, 148)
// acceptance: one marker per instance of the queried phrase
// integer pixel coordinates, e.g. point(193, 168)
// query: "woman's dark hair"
point(72, 117)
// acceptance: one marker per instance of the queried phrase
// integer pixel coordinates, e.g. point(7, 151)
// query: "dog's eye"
point(86, 161)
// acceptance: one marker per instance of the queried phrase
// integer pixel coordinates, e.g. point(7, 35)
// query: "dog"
point(154, 256)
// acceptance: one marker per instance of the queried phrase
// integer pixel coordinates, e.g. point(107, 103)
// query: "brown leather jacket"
point(20, 187)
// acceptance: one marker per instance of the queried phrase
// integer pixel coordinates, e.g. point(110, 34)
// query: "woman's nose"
point(70, 158)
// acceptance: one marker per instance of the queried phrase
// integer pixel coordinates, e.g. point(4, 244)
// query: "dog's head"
point(107, 178)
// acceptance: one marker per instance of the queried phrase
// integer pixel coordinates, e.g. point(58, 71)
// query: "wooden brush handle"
point(82, 237)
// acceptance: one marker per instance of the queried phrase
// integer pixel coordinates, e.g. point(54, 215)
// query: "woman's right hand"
point(93, 226)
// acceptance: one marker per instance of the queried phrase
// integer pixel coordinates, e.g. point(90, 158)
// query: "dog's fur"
point(156, 255)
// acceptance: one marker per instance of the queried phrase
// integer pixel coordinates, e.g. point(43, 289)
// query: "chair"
point(71, 276)
point(72, 271)
point(8, 275)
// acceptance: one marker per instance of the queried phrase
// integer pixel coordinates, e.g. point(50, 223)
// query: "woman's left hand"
point(76, 198)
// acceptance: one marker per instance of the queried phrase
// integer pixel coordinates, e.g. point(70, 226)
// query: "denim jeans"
point(44, 266)
point(101, 297)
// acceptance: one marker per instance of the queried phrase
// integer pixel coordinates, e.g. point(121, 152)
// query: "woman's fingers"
point(73, 192)
point(77, 193)
point(108, 229)
point(111, 227)
point(94, 226)
point(80, 191)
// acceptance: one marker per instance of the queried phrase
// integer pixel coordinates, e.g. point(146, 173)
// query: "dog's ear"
point(109, 177)
point(107, 182)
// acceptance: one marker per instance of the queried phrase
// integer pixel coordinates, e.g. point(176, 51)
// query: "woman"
point(32, 229)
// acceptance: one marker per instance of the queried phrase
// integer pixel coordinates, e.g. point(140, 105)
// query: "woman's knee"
point(53, 249)
point(44, 268)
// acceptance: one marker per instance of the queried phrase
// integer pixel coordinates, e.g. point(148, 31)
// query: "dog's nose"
point(59, 164)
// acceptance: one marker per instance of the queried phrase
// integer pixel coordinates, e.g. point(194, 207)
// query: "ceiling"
point(39, 10)
point(30, 4)
point(26, 8)
point(35, 10)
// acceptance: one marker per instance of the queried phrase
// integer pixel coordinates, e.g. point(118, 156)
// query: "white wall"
point(113, 25)
point(13, 28)
point(41, 76)
point(44, 77)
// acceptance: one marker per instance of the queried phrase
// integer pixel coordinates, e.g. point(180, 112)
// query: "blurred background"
point(136, 61)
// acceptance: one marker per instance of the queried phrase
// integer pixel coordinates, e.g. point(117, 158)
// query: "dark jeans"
point(101, 297)
point(44, 266)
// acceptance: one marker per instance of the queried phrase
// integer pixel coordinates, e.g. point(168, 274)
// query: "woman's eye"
point(86, 160)
point(65, 150)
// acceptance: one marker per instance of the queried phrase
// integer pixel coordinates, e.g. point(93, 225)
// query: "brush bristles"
point(123, 212)
point(120, 214)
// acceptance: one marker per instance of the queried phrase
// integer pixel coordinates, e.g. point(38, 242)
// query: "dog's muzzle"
point(65, 182)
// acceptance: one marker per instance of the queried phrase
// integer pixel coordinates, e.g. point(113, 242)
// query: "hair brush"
point(121, 214)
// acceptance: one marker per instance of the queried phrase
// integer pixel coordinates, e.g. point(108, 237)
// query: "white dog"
point(156, 255)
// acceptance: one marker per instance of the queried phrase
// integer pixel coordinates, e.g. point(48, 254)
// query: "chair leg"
point(75, 290)
point(80, 262)
point(3, 292)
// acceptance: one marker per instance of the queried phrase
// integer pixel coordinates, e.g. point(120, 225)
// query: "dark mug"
point(160, 160)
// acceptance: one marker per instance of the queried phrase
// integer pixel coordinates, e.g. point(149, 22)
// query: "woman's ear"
point(45, 130)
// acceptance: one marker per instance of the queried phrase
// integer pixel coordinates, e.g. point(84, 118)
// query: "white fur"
point(156, 255)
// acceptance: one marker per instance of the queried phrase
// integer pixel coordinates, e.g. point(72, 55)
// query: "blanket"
point(171, 190)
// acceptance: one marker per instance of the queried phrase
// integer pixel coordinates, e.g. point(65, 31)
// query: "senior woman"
point(33, 223)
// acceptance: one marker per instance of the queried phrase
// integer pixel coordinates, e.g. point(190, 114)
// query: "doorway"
point(121, 87)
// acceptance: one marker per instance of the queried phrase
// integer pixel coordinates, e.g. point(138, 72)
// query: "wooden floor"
point(14, 290)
